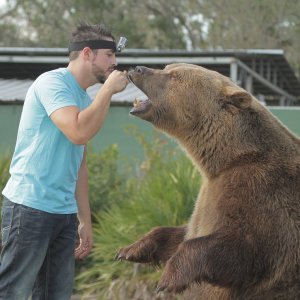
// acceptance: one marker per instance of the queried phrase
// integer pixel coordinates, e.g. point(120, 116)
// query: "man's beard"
point(101, 78)
point(99, 74)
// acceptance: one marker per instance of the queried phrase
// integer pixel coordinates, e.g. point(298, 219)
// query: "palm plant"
point(161, 193)
point(4, 174)
point(105, 179)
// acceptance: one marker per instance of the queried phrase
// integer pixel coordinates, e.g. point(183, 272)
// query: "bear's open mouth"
point(140, 106)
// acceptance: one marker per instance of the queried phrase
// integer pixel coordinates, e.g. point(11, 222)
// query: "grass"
point(162, 192)
point(126, 203)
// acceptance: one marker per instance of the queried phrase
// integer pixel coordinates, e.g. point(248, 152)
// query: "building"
point(264, 73)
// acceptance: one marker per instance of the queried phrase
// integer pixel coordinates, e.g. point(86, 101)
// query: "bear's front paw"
point(175, 278)
point(140, 251)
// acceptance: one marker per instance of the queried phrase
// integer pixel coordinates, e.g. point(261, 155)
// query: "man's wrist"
point(85, 222)
point(107, 91)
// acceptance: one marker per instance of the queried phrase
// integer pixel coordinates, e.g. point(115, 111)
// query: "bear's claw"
point(119, 257)
point(160, 288)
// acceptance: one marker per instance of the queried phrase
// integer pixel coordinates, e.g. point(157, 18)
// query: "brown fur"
point(243, 238)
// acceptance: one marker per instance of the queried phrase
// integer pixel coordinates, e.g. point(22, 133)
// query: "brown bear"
point(243, 238)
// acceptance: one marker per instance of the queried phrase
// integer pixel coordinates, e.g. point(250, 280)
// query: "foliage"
point(161, 193)
point(105, 180)
point(4, 172)
point(260, 24)
point(155, 24)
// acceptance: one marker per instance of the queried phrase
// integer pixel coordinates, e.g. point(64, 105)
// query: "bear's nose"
point(140, 69)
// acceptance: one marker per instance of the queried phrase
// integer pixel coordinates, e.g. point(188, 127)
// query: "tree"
point(159, 24)
point(242, 24)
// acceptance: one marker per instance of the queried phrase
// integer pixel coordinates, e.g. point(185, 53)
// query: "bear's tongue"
point(139, 106)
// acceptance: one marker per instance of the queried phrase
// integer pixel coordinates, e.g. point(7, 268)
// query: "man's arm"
point(84, 212)
point(80, 126)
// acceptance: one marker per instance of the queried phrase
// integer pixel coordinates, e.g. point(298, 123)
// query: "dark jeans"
point(37, 253)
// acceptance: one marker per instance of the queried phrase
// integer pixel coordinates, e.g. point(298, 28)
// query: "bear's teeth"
point(136, 102)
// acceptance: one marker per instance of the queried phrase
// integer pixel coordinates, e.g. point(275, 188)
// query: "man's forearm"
point(80, 126)
point(84, 212)
point(91, 119)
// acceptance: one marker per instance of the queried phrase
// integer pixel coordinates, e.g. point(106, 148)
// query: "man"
point(49, 180)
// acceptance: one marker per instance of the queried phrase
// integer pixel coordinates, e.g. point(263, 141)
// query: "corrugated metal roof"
point(128, 95)
point(271, 74)
point(16, 89)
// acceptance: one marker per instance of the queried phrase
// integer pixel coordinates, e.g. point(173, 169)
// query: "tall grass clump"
point(105, 180)
point(4, 173)
point(4, 169)
point(161, 192)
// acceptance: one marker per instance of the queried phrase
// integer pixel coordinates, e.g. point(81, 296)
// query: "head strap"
point(93, 44)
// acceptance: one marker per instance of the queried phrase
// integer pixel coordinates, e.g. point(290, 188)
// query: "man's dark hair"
point(88, 32)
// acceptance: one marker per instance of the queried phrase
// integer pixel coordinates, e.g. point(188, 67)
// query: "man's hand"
point(86, 241)
point(116, 81)
point(80, 126)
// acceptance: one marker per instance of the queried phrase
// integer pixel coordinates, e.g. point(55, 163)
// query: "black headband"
point(93, 44)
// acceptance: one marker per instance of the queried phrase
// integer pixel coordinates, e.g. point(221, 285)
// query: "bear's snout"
point(143, 70)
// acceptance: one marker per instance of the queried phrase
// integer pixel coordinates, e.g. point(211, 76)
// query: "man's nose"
point(114, 61)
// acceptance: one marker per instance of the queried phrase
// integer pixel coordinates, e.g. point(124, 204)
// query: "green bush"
point(4, 173)
point(162, 192)
point(126, 202)
point(4, 169)
point(105, 180)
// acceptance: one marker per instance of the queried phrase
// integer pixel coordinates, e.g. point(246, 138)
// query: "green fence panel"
point(119, 128)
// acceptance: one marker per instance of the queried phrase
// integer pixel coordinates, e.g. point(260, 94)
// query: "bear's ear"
point(236, 98)
point(174, 75)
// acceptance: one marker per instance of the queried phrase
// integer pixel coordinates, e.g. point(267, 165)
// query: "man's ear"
point(236, 98)
point(86, 53)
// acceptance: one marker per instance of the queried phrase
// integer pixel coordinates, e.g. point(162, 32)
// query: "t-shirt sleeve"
point(53, 93)
point(88, 101)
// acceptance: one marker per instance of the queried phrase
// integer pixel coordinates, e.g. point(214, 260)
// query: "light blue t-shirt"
point(45, 162)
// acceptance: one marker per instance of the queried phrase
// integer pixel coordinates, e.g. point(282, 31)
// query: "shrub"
point(105, 180)
point(4, 169)
point(4, 173)
point(162, 192)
